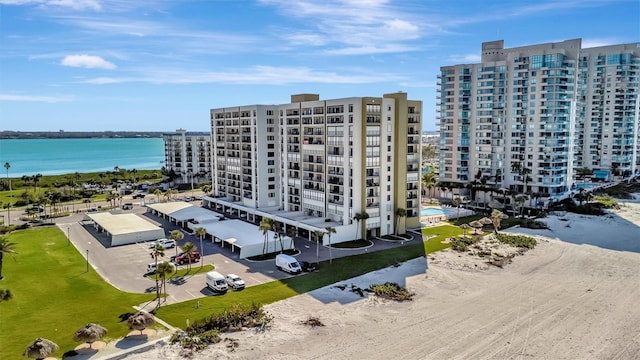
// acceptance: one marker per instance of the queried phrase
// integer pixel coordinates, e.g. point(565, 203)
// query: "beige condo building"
point(311, 164)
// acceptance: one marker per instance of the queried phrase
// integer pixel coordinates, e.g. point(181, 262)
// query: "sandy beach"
point(570, 299)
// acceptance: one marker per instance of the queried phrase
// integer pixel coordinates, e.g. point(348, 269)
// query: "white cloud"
point(34, 98)
point(73, 4)
point(336, 23)
point(87, 61)
point(260, 74)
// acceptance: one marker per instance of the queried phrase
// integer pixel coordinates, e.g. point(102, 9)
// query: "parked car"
point(165, 243)
point(216, 282)
point(288, 264)
point(127, 206)
point(151, 268)
point(139, 196)
point(183, 258)
point(235, 282)
point(307, 266)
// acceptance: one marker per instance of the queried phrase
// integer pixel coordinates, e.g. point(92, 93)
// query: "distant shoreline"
point(78, 134)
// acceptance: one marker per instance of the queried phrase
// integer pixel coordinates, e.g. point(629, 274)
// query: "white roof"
point(118, 224)
point(183, 211)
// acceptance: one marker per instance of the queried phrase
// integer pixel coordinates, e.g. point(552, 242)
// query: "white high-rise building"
point(187, 156)
point(527, 118)
point(349, 164)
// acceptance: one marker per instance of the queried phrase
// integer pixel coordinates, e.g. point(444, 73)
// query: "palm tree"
point(319, 234)
point(157, 252)
point(265, 226)
point(162, 270)
point(496, 218)
point(188, 249)
point(400, 213)
point(157, 192)
point(456, 202)
point(201, 233)
point(206, 188)
point(429, 180)
point(6, 247)
point(176, 235)
point(330, 231)
point(359, 217)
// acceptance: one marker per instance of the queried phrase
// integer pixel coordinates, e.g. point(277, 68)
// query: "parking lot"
point(125, 266)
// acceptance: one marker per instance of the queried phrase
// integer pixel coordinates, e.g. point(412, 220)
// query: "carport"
point(125, 228)
point(245, 237)
point(182, 212)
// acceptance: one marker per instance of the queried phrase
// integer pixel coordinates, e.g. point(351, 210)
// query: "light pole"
point(68, 236)
point(7, 166)
point(87, 260)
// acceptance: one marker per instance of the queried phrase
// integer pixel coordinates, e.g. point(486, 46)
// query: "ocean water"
point(67, 156)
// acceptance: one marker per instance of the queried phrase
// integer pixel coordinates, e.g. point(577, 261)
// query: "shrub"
point(232, 318)
point(461, 243)
point(313, 322)
point(533, 224)
point(517, 240)
point(391, 291)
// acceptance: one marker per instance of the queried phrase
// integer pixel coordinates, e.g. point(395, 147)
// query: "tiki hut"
point(40, 348)
point(465, 227)
point(477, 225)
point(140, 321)
point(90, 333)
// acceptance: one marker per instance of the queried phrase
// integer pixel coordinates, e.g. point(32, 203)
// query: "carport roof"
point(183, 211)
point(118, 224)
point(237, 232)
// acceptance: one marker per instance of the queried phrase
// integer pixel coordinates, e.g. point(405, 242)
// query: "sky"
point(156, 65)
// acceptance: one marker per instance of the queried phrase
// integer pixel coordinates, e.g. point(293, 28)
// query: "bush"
point(517, 240)
point(391, 291)
point(461, 243)
point(533, 224)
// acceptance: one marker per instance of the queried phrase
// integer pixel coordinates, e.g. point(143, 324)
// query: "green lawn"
point(53, 296)
point(341, 269)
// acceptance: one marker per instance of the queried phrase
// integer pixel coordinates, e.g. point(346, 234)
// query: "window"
point(270, 162)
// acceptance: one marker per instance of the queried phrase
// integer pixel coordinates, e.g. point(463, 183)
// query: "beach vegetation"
point(520, 241)
point(532, 224)
point(391, 291)
point(205, 331)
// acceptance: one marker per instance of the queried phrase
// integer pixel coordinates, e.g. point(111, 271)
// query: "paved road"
point(124, 266)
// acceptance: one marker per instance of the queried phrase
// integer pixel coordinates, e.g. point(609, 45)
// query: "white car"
point(165, 243)
point(234, 281)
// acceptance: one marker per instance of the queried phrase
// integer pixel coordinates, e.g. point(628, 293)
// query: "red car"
point(183, 258)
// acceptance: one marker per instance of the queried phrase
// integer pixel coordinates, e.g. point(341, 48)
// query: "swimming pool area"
point(447, 212)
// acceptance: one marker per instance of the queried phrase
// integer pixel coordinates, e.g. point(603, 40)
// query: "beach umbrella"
point(485, 221)
point(140, 321)
point(465, 227)
point(476, 224)
point(90, 333)
point(40, 348)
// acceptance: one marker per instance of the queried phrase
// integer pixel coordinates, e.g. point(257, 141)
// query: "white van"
point(216, 282)
point(288, 263)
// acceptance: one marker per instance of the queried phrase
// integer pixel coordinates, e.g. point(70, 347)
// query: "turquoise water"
point(435, 211)
point(65, 156)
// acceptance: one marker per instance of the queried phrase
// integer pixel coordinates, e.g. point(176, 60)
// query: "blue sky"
point(154, 65)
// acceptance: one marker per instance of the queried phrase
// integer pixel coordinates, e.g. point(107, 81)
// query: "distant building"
point(527, 118)
point(187, 156)
point(315, 163)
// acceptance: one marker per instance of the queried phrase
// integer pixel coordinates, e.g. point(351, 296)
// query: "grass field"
point(53, 295)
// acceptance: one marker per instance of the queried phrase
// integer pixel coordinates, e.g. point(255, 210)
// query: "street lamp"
point(87, 260)
point(7, 166)
point(68, 236)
